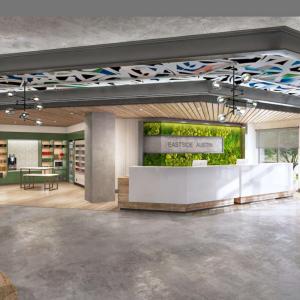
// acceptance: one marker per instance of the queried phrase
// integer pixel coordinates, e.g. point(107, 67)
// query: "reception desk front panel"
point(183, 185)
point(191, 188)
point(265, 181)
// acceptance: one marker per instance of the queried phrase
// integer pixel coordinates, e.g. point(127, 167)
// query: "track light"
point(24, 115)
point(38, 122)
point(246, 77)
point(251, 104)
point(221, 100)
point(39, 106)
point(221, 118)
point(216, 84)
point(10, 111)
point(35, 98)
point(239, 111)
point(10, 94)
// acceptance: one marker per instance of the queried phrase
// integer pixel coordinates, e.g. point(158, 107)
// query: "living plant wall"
point(233, 136)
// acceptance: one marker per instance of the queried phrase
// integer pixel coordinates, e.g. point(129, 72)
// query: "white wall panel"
point(26, 152)
point(127, 148)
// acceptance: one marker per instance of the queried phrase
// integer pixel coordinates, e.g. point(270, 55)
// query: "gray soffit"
point(208, 46)
point(154, 51)
point(155, 93)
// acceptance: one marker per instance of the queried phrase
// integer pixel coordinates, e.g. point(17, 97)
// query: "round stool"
point(7, 289)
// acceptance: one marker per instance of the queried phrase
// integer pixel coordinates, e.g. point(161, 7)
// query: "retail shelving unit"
point(3, 158)
point(60, 158)
point(71, 161)
point(79, 162)
point(47, 153)
point(54, 154)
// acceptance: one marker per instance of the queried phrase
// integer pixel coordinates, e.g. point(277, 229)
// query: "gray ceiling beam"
point(190, 91)
point(153, 51)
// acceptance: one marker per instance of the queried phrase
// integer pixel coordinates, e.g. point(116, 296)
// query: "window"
point(278, 145)
point(268, 155)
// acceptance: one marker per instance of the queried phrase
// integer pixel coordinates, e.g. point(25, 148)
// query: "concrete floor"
point(249, 253)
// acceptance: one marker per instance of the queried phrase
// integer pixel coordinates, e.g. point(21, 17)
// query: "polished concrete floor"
point(248, 253)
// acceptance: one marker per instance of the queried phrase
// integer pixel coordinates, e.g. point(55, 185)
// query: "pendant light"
point(25, 103)
point(237, 107)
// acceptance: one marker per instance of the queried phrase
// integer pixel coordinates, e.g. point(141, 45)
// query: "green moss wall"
point(234, 137)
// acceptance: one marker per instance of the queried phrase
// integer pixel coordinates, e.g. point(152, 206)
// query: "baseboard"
point(255, 198)
point(171, 207)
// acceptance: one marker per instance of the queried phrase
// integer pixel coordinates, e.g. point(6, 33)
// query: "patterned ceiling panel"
point(275, 73)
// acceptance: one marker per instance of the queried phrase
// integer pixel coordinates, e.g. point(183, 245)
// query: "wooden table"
point(52, 179)
point(29, 169)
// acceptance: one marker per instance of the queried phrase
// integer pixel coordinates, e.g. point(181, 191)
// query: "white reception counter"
point(265, 181)
point(193, 188)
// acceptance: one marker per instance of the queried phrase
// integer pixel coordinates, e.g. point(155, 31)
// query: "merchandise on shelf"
point(79, 162)
point(3, 158)
point(54, 154)
point(71, 161)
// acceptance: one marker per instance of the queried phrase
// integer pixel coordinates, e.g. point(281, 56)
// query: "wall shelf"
point(79, 165)
point(3, 158)
point(54, 154)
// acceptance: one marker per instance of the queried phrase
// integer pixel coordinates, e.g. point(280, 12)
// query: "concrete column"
point(100, 157)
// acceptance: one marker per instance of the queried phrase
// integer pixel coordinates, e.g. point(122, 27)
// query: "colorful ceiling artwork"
point(275, 73)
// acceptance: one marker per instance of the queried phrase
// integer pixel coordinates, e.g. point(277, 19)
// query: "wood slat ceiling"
point(189, 110)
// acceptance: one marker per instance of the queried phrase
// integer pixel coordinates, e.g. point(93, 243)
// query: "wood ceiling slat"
point(150, 110)
point(214, 107)
point(167, 110)
point(174, 107)
point(204, 109)
point(256, 115)
point(262, 115)
point(173, 111)
point(200, 110)
point(185, 110)
point(194, 110)
point(189, 110)
point(209, 112)
point(181, 112)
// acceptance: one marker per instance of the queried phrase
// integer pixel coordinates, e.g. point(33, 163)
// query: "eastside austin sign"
point(185, 144)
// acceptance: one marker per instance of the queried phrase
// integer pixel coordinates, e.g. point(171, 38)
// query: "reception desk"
point(193, 188)
point(265, 181)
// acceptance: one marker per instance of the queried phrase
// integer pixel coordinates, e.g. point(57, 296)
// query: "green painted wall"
point(41, 136)
point(234, 137)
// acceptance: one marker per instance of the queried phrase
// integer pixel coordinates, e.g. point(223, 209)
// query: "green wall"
point(41, 136)
point(234, 148)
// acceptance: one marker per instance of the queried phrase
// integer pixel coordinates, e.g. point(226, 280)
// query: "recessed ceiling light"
point(10, 94)
point(10, 111)
point(35, 98)
point(39, 106)
point(216, 84)
point(246, 77)
point(24, 115)
point(221, 99)
point(239, 111)
point(221, 118)
point(39, 122)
